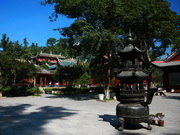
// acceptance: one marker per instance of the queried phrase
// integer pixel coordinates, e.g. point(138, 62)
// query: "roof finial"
point(129, 38)
point(130, 32)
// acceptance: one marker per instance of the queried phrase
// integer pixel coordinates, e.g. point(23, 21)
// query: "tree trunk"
point(107, 88)
point(148, 63)
point(107, 92)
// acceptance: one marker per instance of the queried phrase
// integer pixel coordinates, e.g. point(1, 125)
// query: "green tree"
point(25, 42)
point(26, 54)
point(13, 71)
point(51, 42)
point(158, 76)
point(176, 45)
point(100, 24)
point(69, 74)
point(50, 45)
point(34, 49)
point(7, 45)
point(85, 77)
point(4, 42)
point(17, 50)
point(84, 80)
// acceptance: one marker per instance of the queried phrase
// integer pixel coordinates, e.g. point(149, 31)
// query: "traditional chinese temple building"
point(171, 71)
point(52, 62)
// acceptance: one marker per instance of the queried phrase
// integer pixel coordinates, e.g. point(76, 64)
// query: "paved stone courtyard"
point(79, 115)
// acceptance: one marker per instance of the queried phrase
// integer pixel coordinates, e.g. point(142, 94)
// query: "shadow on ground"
point(129, 133)
point(16, 120)
point(175, 96)
point(111, 119)
point(78, 97)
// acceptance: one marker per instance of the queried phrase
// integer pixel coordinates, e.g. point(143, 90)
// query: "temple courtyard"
point(80, 115)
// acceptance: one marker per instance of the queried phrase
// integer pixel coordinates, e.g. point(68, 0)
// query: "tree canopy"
point(69, 74)
point(151, 21)
point(101, 26)
point(13, 71)
point(27, 50)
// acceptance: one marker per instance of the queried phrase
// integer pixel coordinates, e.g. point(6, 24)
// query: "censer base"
point(132, 113)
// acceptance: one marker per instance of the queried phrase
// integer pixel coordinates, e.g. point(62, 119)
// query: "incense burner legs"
point(122, 122)
point(132, 113)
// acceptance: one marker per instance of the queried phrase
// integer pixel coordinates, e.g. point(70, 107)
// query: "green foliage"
point(6, 91)
point(84, 79)
point(69, 74)
point(14, 71)
point(51, 42)
point(109, 99)
point(158, 76)
point(98, 31)
point(176, 45)
point(160, 116)
point(152, 22)
point(17, 50)
point(12, 91)
point(48, 90)
point(33, 90)
point(67, 91)
point(152, 117)
point(83, 90)
point(5, 43)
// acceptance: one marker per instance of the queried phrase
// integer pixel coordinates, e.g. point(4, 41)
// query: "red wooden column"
point(41, 81)
point(45, 81)
point(34, 81)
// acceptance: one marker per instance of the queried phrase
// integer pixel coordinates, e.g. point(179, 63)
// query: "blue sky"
point(27, 18)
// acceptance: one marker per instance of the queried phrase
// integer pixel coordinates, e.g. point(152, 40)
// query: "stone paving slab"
point(79, 115)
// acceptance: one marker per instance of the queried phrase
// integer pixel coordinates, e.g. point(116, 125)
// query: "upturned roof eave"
point(166, 64)
point(130, 49)
point(130, 74)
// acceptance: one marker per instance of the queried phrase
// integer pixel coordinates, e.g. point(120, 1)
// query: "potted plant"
point(160, 117)
point(152, 119)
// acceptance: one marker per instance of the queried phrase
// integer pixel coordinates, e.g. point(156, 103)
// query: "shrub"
point(33, 90)
point(6, 91)
point(83, 90)
point(48, 90)
point(12, 91)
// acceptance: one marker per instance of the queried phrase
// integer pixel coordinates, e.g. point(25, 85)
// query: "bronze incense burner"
point(133, 97)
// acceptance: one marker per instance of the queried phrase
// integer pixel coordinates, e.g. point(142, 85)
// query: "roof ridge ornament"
point(130, 34)
point(130, 46)
point(129, 39)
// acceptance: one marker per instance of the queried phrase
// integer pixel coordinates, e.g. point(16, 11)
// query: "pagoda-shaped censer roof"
point(130, 48)
point(132, 67)
point(128, 74)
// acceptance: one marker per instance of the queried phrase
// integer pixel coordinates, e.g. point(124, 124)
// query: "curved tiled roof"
point(44, 71)
point(51, 55)
point(172, 56)
point(169, 61)
point(166, 64)
point(68, 62)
